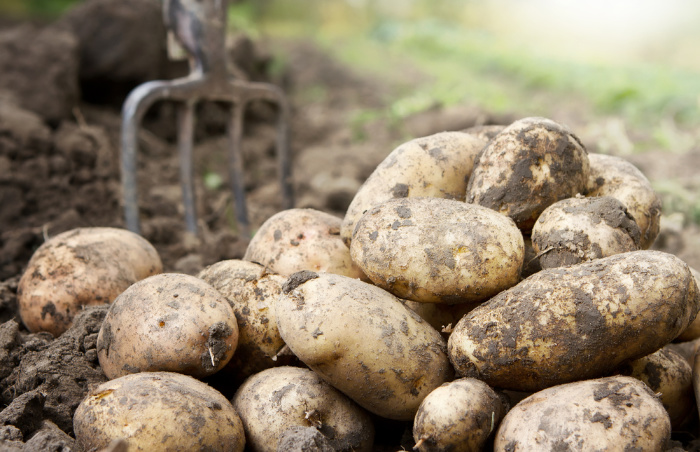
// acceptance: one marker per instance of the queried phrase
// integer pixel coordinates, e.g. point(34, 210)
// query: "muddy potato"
point(158, 411)
point(693, 331)
point(251, 290)
point(302, 239)
point(530, 165)
point(612, 413)
point(458, 417)
point(438, 250)
point(278, 399)
point(363, 341)
point(167, 322)
point(81, 267)
point(581, 229)
point(616, 177)
point(571, 323)
point(434, 166)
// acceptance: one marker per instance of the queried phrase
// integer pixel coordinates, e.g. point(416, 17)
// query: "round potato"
point(530, 165)
point(613, 413)
point(436, 166)
point(616, 177)
point(251, 290)
point(158, 411)
point(581, 229)
point(363, 341)
point(438, 250)
point(167, 322)
point(571, 323)
point(458, 416)
point(302, 239)
point(275, 400)
point(81, 267)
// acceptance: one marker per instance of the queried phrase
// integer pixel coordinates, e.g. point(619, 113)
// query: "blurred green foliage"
point(44, 9)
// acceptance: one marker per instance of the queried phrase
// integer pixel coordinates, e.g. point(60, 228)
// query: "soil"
point(61, 92)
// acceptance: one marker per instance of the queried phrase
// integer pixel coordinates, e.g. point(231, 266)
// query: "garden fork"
point(200, 28)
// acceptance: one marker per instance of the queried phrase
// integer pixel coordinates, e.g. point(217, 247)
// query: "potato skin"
point(167, 322)
point(302, 239)
point(530, 165)
point(693, 331)
point(612, 413)
point(363, 341)
point(459, 416)
point(158, 411)
point(570, 323)
point(616, 177)
point(277, 399)
point(436, 250)
point(436, 166)
point(81, 267)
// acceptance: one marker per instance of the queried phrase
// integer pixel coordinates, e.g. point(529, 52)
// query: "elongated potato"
point(436, 166)
point(438, 250)
point(530, 165)
point(571, 323)
point(616, 177)
point(613, 413)
point(363, 341)
point(81, 267)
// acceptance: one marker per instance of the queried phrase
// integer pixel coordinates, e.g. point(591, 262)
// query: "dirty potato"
point(434, 166)
point(363, 341)
point(571, 323)
point(81, 267)
point(158, 411)
point(278, 399)
point(581, 229)
point(458, 416)
point(530, 165)
point(612, 413)
point(438, 250)
point(302, 239)
point(167, 322)
point(693, 331)
point(616, 177)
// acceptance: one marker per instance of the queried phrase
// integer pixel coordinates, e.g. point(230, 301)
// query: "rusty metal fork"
point(200, 28)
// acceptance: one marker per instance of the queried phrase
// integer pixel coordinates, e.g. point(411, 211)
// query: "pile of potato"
point(492, 287)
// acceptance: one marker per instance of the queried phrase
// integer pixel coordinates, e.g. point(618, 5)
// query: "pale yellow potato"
point(302, 239)
point(158, 411)
point(613, 413)
point(251, 290)
point(693, 331)
point(168, 322)
point(581, 229)
point(531, 164)
point(571, 323)
point(81, 267)
point(362, 340)
point(616, 177)
point(278, 399)
point(459, 416)
point(438, 250)
point(435, 166)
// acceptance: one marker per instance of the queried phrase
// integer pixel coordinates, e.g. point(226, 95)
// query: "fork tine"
point(185, 139)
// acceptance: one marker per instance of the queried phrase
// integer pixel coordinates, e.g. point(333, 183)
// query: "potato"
point(581, 229)
point(158, 411)
point(302, 239)
point(485, 132)
point(666, 373)
point(438, 250)
point(613, 413)
point(167, 322)
point(458, 416)
point(571, 323)
point(693, 331)
point(251, 290)
point(363, 341)
point(436, 166)
point(530, 165)
point(278, 399)
point(616, 177)
point(81, 267)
